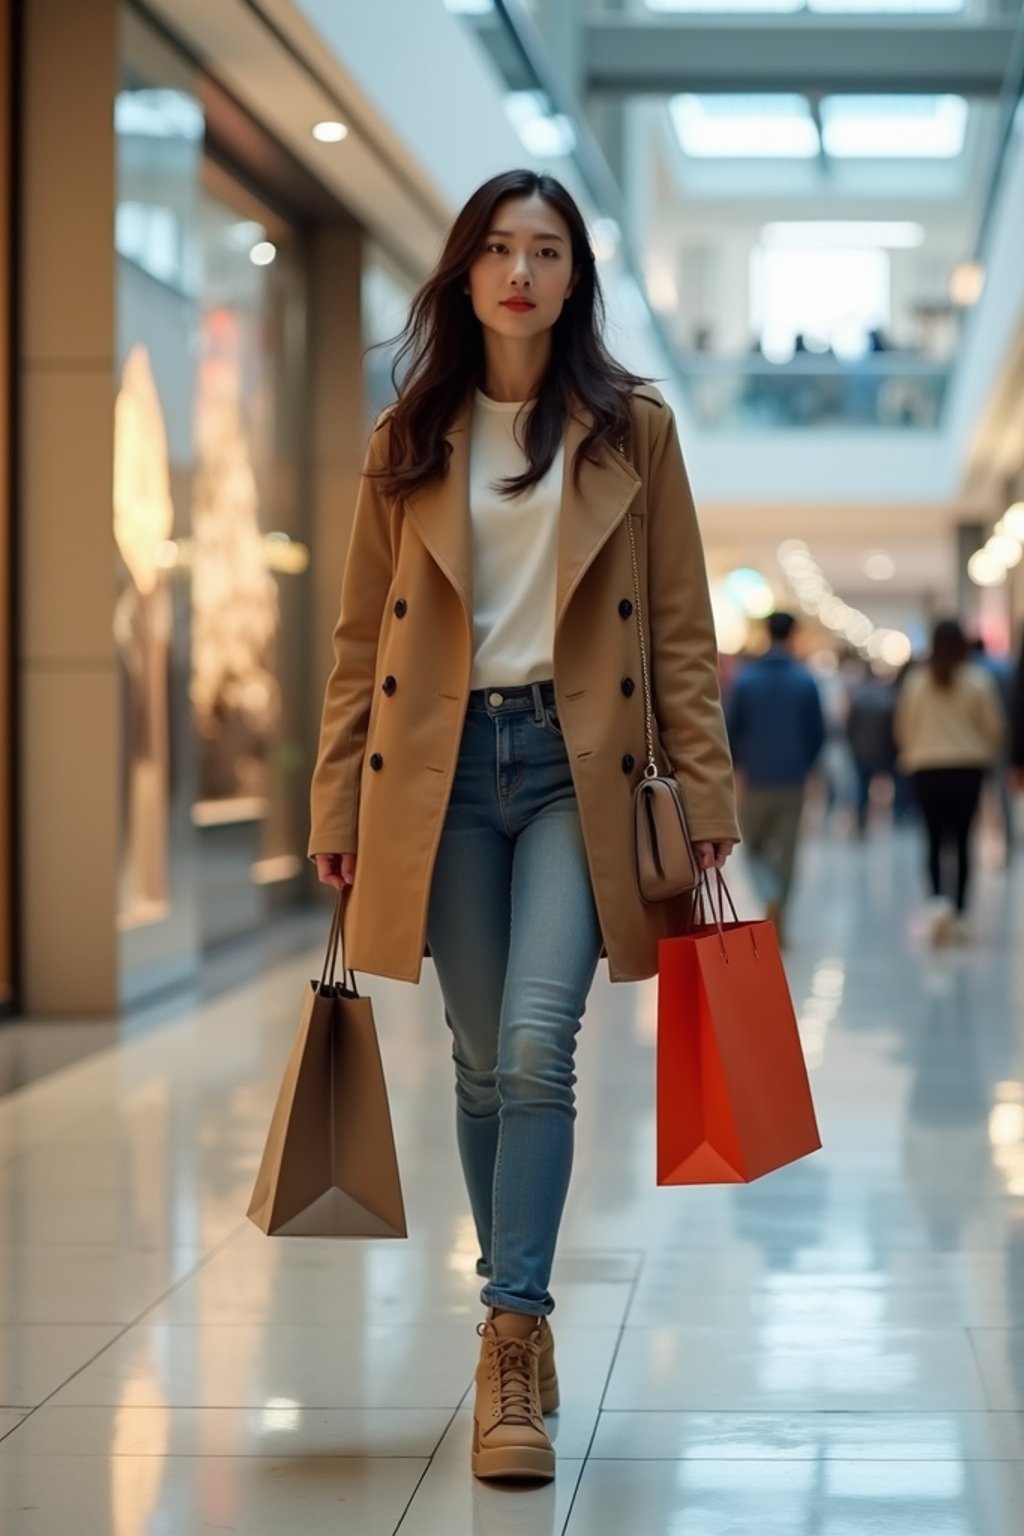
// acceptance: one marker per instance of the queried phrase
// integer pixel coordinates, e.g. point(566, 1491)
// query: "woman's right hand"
point(336, 869)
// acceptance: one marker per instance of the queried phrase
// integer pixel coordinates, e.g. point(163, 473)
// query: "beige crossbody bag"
point(665, 862)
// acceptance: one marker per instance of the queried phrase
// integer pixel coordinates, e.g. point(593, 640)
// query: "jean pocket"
point(552, 720)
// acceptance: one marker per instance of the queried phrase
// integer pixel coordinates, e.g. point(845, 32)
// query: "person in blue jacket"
point(776, 731)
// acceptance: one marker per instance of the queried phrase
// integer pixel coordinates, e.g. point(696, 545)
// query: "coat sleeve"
point(684, 651)
point(334, 792)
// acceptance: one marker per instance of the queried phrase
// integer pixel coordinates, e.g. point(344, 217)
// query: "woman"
point(483, 727)
point(949, 727)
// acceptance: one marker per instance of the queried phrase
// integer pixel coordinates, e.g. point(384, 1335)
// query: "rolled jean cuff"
point(492, 1297)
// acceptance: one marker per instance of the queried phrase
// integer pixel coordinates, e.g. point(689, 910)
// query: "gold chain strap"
point(651, 771)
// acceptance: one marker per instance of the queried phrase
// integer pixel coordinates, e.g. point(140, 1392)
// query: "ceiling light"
point(967, 283)
point(263, 253)
point(895, 649)
point(984, 570)
point(1004, 548)
point(329, 131)
point(835, 614)
point(859, 629)
point(1012, 521)
point(878, 566)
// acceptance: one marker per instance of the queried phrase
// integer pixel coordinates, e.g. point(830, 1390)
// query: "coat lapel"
point(589, 512)
point(440, 512)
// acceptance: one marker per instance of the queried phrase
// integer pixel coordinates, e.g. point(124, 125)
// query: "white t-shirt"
point(515, 553)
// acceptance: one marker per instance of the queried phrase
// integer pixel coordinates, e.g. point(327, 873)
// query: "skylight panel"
point(894, 127)
point(778, 126)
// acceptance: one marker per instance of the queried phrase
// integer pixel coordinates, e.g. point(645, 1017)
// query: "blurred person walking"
point(949, 730)
point(776, 731)
point(483, 728)
point(869, 732)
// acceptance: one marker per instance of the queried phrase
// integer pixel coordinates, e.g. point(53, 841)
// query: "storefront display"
point(210, 532)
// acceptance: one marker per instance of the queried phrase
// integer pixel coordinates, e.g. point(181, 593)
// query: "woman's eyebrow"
point(507, 234)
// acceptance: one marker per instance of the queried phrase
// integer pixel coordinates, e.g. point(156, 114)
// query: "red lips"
point(519, 306)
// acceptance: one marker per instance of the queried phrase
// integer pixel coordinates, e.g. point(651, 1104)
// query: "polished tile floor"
point(837, 1350)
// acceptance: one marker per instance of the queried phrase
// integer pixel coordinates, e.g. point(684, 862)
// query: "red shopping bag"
point(733, 1097)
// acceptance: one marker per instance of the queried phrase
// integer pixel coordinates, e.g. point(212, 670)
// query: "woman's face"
point(524, 273)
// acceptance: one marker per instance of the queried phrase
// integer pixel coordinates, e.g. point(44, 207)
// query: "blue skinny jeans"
point(515, 937)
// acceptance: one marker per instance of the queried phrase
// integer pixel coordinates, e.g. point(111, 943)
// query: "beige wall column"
point(68, 679)
point(338, 433)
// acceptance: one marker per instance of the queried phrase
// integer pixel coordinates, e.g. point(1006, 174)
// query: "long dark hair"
point(949, 652)
point(442, 353)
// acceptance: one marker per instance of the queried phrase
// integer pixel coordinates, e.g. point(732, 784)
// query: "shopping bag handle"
point(704, 893)
point(336, 939)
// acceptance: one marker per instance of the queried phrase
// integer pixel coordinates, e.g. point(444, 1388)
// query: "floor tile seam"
point(634, 1284)
point(120, 1335)
point(253, 1407)
point(831, 1461)
point(430, 1462)
point(976, 1359)
point(25, 1414)
point(162, 1456)
point(817, 1413)
point(876, 1461)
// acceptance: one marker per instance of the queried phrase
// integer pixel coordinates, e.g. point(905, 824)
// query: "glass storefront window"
point(209, 522)
point(248, 554)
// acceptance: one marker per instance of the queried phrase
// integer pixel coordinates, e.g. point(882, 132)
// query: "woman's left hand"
point(714, 855)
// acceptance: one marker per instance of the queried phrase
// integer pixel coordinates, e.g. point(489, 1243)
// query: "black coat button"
point(376, 762)
point(628, 763)
point(401, 607)
point(389, 685)
point(627, 685)
point(625, 608)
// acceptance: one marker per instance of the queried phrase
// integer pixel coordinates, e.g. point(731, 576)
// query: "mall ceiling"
point(664, 54)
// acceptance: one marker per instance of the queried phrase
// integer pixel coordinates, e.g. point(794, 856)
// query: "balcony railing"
point(880, 391)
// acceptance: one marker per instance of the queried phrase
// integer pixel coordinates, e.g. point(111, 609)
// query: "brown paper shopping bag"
point(329, 1167)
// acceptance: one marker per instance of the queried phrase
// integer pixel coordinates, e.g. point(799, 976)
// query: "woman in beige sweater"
point(949, 728)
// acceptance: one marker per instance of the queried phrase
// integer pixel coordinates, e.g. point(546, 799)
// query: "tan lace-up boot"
point(546, 1372)
point(509, 1438)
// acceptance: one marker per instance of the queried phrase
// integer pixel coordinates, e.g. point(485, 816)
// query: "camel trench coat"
point(396, 698)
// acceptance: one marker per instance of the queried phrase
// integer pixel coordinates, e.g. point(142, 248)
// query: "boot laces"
point(512, 1379)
